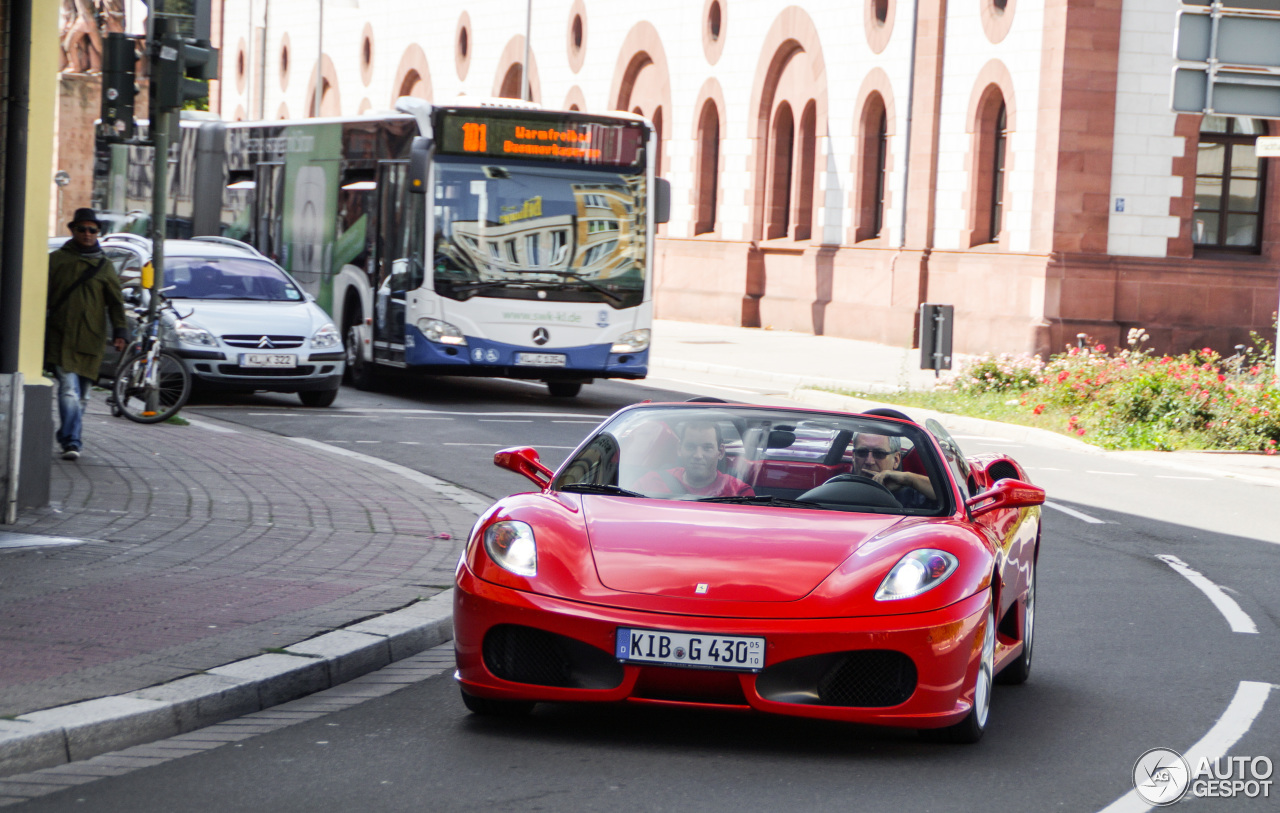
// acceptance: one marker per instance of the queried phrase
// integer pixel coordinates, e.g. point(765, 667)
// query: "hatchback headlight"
point(326, 336)
point(441, 332)
point(191, 334)
point(633, 342)
point(917, 572)
point(510, 544)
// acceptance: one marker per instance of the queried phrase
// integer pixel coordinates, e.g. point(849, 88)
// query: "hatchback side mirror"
point(524, 460)
point(1005, 494)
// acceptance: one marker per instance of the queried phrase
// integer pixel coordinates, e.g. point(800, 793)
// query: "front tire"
point(360, 373)
point(318, 398)
point(564, 389)
point(488, 707)
point(171, 387)
point(1019, 670)
point(974, 725)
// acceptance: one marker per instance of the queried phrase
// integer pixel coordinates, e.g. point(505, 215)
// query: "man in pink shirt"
point(701, 450)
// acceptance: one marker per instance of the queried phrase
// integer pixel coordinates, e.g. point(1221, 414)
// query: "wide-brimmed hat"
point(85, 215)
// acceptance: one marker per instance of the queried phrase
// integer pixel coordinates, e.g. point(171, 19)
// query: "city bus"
point(492, 239)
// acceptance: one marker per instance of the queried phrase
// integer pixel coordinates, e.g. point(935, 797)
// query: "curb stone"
point(43, 739)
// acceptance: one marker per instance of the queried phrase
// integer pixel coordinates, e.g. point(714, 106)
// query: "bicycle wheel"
point(169, 382)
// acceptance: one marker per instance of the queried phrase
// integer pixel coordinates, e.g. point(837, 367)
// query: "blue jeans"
point(73, 398)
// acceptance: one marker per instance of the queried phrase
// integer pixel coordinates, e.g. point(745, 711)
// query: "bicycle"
point(152, 383)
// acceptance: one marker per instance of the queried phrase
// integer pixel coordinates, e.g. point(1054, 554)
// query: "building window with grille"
point(1000, 141)
point(1229, 186)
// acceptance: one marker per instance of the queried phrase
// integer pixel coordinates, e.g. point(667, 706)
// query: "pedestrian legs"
point(73, 399)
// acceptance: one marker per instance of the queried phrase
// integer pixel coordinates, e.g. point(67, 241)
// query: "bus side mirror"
point(661, 200)
point(419, 162)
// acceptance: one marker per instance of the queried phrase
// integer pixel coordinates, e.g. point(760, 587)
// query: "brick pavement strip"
point(212, 574)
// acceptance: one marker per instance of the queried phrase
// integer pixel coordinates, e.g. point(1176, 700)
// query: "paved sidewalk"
point(169, 551)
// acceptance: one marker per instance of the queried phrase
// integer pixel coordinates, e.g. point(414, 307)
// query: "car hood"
point(721, 552)
point(223, 317)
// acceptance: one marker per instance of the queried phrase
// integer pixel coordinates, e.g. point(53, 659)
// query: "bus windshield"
point(539, 232)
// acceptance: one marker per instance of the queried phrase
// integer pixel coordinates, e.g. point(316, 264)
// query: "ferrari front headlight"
point(917, 572)
point(511, 546)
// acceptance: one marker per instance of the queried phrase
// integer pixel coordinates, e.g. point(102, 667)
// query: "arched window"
point(874, 133)
point(805, 171)
point(782, 140)
point(991, 154)
point(1229, 185)
point(708, 180)
point(512, 83)
point(1000, 139)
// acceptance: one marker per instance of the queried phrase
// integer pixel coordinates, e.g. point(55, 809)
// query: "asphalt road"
point(1130, 655)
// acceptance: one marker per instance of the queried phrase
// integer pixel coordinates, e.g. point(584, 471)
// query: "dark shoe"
point(70, 453)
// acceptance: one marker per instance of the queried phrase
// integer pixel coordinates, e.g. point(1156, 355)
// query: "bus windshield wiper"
point(763, 500)
point(599, 488)
point(567, 275)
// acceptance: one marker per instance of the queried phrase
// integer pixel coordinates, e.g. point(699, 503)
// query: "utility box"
point(936, 322)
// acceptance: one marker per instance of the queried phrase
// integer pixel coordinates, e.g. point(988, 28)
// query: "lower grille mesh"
point(870, 678)
point(526, 655)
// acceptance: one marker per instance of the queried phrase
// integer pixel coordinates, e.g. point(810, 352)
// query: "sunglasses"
point(879, 454)
point(85, 229)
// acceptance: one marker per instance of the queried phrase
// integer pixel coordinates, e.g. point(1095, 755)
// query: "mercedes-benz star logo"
point(541, 336)
point(1161, 776)
point(265, 342)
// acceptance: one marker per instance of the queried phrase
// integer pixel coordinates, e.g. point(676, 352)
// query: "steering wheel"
point(858, 478)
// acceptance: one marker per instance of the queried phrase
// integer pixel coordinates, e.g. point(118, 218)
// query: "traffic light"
point(119, 63)
point(182, 71)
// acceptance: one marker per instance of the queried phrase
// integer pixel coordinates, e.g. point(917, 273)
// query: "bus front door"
point(392, 267)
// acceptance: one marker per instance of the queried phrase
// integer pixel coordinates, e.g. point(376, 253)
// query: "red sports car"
point(851, 567)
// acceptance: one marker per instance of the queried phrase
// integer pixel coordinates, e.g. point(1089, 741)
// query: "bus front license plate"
point(541, 359)
point(268, 360)
point(698, 649)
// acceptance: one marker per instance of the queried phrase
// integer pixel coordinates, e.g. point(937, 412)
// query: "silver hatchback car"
point(245, 324)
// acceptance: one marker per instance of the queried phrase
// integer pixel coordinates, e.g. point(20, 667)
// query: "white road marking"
point(1177, 477)
point(589, 423)
point(1071, 512)
point(409, 442)
point(1115, 473)
point(1234, 723)
point(505, 420)
point(1236, 617)
point(368, 441)
point(212, 427)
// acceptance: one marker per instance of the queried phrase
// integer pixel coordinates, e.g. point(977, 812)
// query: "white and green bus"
point(497, 239)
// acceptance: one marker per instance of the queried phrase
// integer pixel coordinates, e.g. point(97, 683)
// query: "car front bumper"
point(803, 659)
point(215, 369)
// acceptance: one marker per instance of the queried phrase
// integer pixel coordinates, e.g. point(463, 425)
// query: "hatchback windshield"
point(227, 278)
point(763, 457)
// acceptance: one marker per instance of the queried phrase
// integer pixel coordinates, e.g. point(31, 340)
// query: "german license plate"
point(541, 359)
point(268, 360)
point(698, 649)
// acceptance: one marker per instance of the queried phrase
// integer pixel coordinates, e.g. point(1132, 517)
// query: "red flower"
point(1102, 348)
point(1040, 408)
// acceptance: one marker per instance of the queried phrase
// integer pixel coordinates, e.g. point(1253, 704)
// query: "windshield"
point(227, 278)
point(539, 232)
point(762, 457)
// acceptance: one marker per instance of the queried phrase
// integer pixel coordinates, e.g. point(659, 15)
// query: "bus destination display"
point(560, 140)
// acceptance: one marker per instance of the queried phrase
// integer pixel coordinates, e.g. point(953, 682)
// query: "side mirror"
point(661, 200)
point(1005, 494)
point(419, 164)
point(525, 461)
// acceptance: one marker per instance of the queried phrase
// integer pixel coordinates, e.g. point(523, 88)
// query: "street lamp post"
point(315, 111)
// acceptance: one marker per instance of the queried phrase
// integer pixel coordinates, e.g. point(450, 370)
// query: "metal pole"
point(159, 137)
point(18, 109)
point(524, 66)
point(319, 59)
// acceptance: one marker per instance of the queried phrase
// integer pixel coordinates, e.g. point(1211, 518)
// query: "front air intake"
point(527, 655)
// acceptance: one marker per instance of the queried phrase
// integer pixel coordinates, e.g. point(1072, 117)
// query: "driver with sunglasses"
point(879, 457)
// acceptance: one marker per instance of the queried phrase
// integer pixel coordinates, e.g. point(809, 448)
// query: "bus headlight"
point(633, 342)
point(441, 332)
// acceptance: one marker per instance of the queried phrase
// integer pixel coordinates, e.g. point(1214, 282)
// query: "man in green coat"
point(84, 292)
